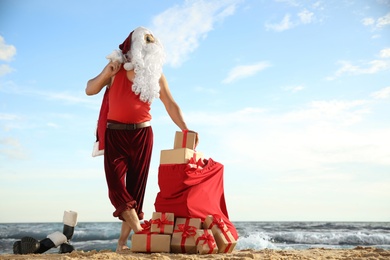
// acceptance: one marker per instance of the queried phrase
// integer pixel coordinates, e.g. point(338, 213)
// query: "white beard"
point(147, 60)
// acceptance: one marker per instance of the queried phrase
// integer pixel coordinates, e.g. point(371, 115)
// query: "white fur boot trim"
point(70, 218)
point(57, 238)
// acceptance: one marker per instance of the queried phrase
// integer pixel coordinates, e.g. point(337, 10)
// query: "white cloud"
point(289, 2)
point(181, 27)
point(330, 112)
point(244, 71)
point(79, 98)
point(383, 21)
point(385, 53)
point(285, 24)
point(12, 149)
point(321, 138)
point(378, 23)
point(4, 116)
point(294, 89)
point(7, 52)
point(5, 69)
point(311, 140)
point(371, 67)
point(381, 94)
point(318, 5)
point(368, 21)
point(306, 17)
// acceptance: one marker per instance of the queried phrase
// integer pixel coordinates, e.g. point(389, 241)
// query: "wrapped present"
point(146, 226)
point(179, 156)
point(183, 237)
point(162, 222)
point(184, 139)
point(195, 222)
point(148, 242)
point(223, 237)
point(205, 242)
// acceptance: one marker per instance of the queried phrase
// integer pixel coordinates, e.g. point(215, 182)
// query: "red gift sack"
point(193, 190)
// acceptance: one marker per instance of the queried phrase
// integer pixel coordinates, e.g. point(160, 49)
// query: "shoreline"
point(312, 253)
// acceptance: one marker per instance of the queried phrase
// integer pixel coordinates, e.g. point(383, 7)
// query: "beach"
point(313, 253)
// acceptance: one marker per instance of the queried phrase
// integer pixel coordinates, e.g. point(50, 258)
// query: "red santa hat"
point(126, 45)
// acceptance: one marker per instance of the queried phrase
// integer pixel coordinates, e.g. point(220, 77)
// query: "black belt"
point(118, 126)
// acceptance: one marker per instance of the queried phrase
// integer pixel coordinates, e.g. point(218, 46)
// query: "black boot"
point(52, 240)
point(66, 248)
point(27, 245)
point(70, 221)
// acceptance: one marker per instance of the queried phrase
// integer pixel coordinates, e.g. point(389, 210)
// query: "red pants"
point(127, 155)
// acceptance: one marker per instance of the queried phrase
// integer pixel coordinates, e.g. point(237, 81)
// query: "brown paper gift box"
point(162, 222)
point(195, 222)
point(183, 238)
point(223, 237)
point(182, 244)
point(178, 156)
point(189, 142)
point(149, 243)
point(205, 242)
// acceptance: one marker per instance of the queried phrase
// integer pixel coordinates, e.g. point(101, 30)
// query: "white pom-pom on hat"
point(128, 66)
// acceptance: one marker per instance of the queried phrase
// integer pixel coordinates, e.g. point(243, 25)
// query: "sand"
point(315, 253)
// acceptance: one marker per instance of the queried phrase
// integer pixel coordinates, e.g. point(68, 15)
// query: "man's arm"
point(172, 107)
point(103, 79)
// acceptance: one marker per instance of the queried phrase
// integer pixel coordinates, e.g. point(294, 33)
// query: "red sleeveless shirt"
point(124, 105)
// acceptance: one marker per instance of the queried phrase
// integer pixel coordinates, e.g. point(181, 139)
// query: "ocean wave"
point(327, 238)
point(252, 235)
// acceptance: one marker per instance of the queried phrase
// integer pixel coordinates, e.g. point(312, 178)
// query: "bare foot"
point(132, 219)
point(122, 249)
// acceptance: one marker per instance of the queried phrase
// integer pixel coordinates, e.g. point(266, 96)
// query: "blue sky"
point(291, 96)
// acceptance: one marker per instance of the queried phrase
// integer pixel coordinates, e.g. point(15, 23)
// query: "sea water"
point(252, 235)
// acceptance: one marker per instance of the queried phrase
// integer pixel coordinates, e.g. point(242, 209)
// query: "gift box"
point(195, 222)
point(205, 242)
point(150, 242)
point(162, 222)
point(183, 238)
point(223, 237)
point(179, 156)
point(184, 139)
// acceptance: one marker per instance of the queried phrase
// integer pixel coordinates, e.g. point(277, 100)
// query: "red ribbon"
point(188, 231)
point(161, 222)
point(148, 242)
point(146, 225)
point(218, 221)
point(146, 231)
point(207, 238)
point(184, 142)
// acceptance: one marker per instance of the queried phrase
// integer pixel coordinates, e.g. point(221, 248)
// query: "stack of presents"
point(165, 233)
point(191, 215)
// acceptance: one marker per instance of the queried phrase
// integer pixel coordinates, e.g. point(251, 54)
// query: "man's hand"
point(196, 139)
point(111, 69)
point(103, 79)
